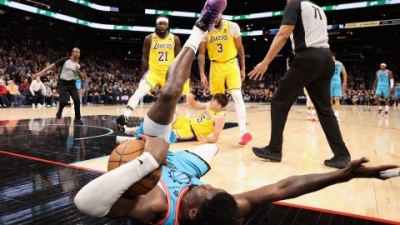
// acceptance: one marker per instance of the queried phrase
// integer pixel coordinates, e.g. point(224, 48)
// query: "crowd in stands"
point(112, 80)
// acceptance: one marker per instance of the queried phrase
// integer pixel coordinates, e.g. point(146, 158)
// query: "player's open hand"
point(157, 147)
point(203, 79)
point(356, 169)
point(258, 72)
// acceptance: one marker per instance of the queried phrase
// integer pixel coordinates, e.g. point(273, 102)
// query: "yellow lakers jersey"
point(220, 44)
point(162, 52)
point(204, 123)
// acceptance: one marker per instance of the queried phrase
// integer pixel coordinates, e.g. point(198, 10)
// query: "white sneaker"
point(33, 106)
point(122, 139)
point(130, 130)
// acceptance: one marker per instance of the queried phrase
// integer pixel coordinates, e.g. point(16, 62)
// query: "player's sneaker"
point(121, 121)
point(246, 138)
point(210, 13)
point(380, 112)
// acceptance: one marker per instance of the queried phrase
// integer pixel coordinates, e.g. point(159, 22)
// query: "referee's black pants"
point(65, 87)
point(311, 68)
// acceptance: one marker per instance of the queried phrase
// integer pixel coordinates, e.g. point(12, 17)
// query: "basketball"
point(127, 152)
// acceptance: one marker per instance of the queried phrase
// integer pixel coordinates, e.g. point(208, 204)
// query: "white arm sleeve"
point(98, 196)
point(391, 83)
point(234, 29)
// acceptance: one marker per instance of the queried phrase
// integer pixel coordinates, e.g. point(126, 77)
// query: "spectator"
point(18, 99)
point(4, 95)
point(37, 89)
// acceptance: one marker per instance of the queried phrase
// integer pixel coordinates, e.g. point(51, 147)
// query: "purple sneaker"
point(210, 13)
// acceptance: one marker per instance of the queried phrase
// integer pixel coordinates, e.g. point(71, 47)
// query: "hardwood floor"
point(305, 148)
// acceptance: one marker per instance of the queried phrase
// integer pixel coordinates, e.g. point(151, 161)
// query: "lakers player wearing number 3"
point(227, 69)
point(159, 50)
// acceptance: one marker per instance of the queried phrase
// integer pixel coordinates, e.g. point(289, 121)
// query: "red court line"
point(337, 213)
point(49, 161)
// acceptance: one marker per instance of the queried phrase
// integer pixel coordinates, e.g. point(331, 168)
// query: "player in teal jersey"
point(397, 93)
point(383, 86)
point(336, 85)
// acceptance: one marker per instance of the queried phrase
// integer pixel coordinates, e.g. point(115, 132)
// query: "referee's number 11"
point(316, 11)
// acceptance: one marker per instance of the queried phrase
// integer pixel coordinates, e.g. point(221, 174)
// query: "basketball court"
point(45, 161)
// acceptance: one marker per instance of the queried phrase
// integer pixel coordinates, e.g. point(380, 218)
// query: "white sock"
point(154, 129)
point(195, 38)
point(240, 108)
point(386, 108)
point(380, 107)
point(141, 91)
point(98, 196)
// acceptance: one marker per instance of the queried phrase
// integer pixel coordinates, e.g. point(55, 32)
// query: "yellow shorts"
point(186, 88)
point(183, 130)
point(155, 78)
point(225, 76)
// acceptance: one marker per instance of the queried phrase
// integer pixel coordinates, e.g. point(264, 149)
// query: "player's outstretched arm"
point(295, 186)
point(195, 104)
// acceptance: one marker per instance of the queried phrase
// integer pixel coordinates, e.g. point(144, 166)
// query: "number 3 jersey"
point(162, 53)
point(220, 43)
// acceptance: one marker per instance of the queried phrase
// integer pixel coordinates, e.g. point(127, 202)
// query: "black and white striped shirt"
point(310, 25)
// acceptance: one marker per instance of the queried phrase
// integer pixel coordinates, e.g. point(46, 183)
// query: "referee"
point(312, 68)
point(69, 73)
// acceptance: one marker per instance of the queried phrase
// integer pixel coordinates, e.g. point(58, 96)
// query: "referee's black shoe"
point(337, 162)
point(266, 153)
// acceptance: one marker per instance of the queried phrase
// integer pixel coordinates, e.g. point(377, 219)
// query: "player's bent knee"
point(171, 93)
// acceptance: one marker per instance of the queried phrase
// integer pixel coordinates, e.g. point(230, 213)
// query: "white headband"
point(162, 19)
point(383, 64)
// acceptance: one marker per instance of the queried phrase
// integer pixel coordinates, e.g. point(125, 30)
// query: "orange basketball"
point(127, 152)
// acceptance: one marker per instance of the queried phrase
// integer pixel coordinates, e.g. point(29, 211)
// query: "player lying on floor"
point(205, 128)
point(182, 198)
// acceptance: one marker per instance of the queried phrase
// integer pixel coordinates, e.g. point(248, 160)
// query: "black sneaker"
point(121, 121)
point(337, 162)
point(266, 153)
point(380, 112)
point(78, 122)
point(210, 13)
